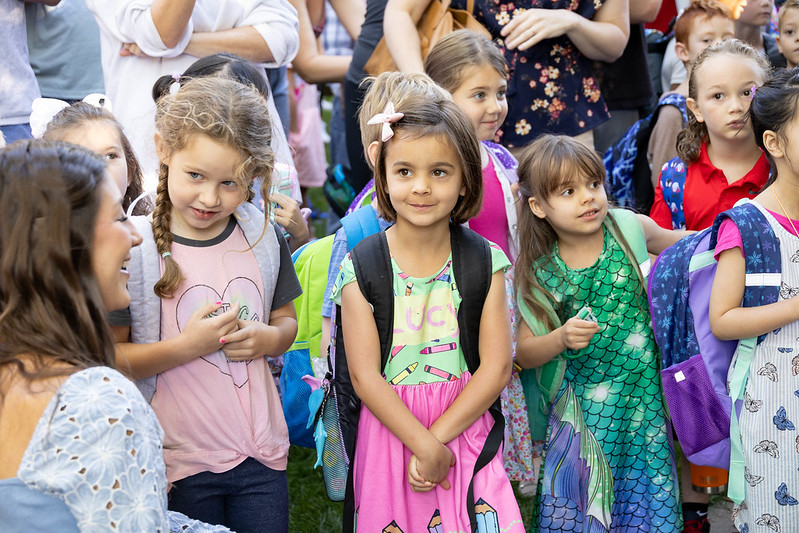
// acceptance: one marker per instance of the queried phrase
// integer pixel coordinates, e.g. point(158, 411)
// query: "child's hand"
point(432, 465)
point(288, 214)
point(418, 483)
point(202, 334)
point(252, 339)
point(576, 333)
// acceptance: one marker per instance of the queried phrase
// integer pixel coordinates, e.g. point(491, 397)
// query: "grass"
point(309, 509)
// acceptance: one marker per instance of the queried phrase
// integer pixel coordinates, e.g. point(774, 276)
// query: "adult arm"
point(402, 38)
point(663, 141)
point(171, 17)
point(642, 11)
point(602, 38)
point(245, 42)
point(351, 14)
point(311, 63)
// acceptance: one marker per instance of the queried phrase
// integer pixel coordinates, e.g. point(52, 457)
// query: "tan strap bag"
point(437, 21)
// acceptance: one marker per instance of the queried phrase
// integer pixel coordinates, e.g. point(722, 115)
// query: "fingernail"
point(218, 303)
point(222, 341)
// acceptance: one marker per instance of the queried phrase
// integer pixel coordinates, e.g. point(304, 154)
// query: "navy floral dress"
point(551, 87)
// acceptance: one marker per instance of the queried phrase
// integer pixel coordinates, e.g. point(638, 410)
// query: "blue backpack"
point(312, 261)
point(696, 365)
point(629, 175)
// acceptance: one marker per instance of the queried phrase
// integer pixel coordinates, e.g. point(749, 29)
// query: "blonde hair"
point(228, 112)
point(690, 139)
point(789, 4)
point(399, 89)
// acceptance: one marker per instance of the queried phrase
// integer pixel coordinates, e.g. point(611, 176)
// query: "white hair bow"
point(386, 118)
point(44, 109)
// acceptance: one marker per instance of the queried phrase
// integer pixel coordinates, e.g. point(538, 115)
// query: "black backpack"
point(471, 266)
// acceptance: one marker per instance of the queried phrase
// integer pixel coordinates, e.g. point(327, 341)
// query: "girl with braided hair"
point(212, 293)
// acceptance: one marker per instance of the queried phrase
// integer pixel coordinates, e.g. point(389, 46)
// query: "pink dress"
point(427, 371)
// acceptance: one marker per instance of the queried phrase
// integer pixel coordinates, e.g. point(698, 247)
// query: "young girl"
point(96, 128)
point(225, 287)
point(473, 70)
point(769, 421)
point(608, 419)
point(418, 440)
point(717, 145)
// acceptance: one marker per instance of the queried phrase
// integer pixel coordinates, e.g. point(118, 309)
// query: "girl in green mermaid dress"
point(609, 463)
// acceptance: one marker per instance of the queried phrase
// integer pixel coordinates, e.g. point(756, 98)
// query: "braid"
point(172, 277)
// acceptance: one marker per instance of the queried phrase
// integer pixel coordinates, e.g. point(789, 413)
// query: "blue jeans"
point(249, 498)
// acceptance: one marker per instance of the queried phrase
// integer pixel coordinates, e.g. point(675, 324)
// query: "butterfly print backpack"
point(704, 406)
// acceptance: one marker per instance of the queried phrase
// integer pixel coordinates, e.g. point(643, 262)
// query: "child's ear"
point(691, 103)
point(779, 46)
point(773, 144)
point(682, 52)
point(160, 149)
point(372, 151)
point(535, 207)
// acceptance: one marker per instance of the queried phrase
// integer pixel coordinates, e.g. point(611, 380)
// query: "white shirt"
point(129, 80)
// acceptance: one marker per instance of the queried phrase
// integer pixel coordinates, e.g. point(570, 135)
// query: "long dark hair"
point(51, 309)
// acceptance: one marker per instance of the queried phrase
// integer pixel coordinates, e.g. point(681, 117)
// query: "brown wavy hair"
point(228, 112)
point(73, 119)
point(51, 309)
point(446, 121)
point(690, 139)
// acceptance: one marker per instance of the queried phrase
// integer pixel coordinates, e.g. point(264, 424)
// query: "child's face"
point(481, 95)
point(757, 12)
point(788, 40)
point(202, 186)
point(705, 32)
point(102, 138)
point(423, 177)
point(723, 94)
point(576, 210)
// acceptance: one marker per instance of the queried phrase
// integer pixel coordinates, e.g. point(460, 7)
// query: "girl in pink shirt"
point(219, 304)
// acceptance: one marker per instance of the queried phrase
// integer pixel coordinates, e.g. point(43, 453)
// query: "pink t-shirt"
point(492, 221)
point(216, 413)
point(730, 236)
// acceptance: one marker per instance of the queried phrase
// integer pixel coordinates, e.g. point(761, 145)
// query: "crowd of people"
point(493, 319)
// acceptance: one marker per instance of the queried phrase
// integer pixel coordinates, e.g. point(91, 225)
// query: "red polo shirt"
point(707, 193)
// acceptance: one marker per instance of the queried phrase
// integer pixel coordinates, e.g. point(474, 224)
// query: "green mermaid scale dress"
point(615, 383)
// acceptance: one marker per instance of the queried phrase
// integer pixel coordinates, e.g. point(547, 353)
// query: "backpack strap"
point(672, 185)
point(471, 266)
point(763, 277)
point(359, 224)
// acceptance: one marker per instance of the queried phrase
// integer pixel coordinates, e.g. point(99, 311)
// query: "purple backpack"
point(697, 365)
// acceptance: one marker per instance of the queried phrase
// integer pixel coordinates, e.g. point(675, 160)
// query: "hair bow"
point(44, 109)
point(386, 118)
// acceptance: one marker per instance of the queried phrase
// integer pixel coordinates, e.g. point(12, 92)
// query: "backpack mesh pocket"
point(700, 418)
point(335, 463)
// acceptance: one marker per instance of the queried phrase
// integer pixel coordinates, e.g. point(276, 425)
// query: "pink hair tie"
point(386, 118)
point(753, 90)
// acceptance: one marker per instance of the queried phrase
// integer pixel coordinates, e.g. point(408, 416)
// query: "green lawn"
point(309, 509)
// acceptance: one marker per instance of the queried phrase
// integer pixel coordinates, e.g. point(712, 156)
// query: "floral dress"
point(609, 416)
point(551, 88)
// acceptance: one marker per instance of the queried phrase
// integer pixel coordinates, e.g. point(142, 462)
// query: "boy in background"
point(788, 27)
